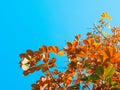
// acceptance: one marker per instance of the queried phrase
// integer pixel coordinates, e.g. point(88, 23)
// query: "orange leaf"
point(45, 57)
point(52, 65)
point(77, 37)
point(53, 49)
point(22, 55)
point(116, 58)
point(55, 71)
point(70, 78)
point(29, 52)
point(85, 42)
point(53, 60)
point(69, 45)
point(75, 43)
point(44, 48)
point(68, 81)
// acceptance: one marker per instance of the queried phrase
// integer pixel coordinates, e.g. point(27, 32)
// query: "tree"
point(94, 60)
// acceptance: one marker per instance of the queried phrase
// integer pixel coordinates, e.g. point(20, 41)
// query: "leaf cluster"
point(95, 59)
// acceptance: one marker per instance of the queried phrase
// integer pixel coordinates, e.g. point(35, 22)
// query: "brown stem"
point(52, 76)
point(99, 31)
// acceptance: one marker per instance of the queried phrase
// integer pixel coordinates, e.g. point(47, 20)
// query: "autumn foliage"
point(94, 60)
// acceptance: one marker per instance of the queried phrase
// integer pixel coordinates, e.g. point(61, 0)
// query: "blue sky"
point(28, 24)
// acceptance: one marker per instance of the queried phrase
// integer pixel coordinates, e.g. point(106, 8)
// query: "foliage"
point(95, 60)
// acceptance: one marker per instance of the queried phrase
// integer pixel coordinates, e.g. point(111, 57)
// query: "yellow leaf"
point(103, 15)
point(109, 17)
point(61, 53)
point(69, 78)
point(106, 15)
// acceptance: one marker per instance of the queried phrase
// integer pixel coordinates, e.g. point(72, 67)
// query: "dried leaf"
point(31, 70)
point(68, 81)
point(85, 42)
point(45, 57)
point(52, 65)
point(74, 43)
point(69, 45)
point(44, 49)
point(77, 37)
point(53, 49)
point(44, 67)
point(55, 71)
point(22, 55)
point(53, 60)
point(29, 52)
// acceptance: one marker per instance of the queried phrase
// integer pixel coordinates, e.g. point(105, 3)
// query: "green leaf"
point(74, 87)
point(109, 71)
point(100, 70)
point(93, 77)
point(109, 80)
point(84, 78)
point(115, 88)
point(114, 83)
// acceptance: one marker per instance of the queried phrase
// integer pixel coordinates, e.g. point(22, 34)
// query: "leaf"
point(61, 53)
point(69, 45)
point(39, 67)
point(55, 71)
point(52, 65)
point(77, 37)
point(101, 21)
point(45, 57)
point(53, 49)
point(109, 71)
point(32, 69)
point(93, 77)
point(74, 44)
point(53, 60)
point(69, 78)
point(29, 52)
point(74, 87)
point(105, 15)
point(35, 87)
point(108, 52)
point(44, 68)
point(100, 70)
point(84, 78)
point(116, 58)
point(44, 49)
point(114, 83)
point(22, 55)
point(115, 88)
point(85, 42)
point(109, 81)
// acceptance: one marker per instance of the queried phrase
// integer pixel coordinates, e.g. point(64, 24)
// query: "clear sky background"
point(28, 24)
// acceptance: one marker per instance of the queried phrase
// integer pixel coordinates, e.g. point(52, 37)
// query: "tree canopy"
point(94, 60)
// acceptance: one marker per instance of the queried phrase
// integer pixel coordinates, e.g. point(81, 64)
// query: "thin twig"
point(99, 31)
point(52, 76)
